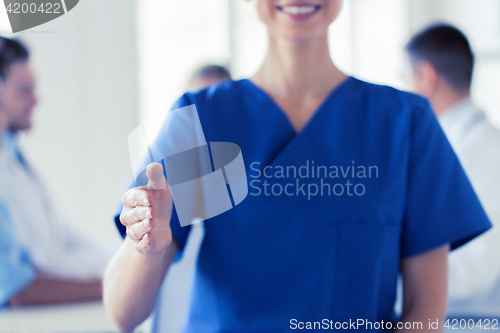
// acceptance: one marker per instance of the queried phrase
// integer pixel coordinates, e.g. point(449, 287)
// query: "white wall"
point(174, 38)
point(85, 62)
point(248, 39)
point(379, 34)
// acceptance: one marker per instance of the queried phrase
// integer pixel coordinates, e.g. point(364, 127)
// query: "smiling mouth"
point(299, 10)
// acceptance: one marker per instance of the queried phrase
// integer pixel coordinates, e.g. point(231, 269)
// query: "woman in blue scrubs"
point(350, 184)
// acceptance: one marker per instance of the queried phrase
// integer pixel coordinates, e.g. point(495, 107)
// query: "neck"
point(446, 98)
point(298, 69)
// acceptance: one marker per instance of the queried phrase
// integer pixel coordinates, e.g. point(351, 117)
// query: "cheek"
point(332, 9)
point(7, 103)
point(13, 106)
point(265, 11)
point(9, 97)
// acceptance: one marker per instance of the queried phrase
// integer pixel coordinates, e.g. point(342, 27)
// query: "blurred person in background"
point(3, 115)
point(208, 75)
point(42, 259)
point(276, 262)
point(443, 63)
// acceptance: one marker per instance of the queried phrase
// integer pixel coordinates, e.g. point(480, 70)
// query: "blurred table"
point(83, 317)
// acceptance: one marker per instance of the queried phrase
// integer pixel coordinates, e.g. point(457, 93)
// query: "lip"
point(299, 17)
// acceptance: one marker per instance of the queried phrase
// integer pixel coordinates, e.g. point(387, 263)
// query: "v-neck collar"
point(335, 91)
point(290, 138)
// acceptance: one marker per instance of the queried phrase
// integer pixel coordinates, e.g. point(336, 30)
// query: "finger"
point(130, 216)
point(146, 245)
point(137, 197)
point(138, 230)
point(156, 179)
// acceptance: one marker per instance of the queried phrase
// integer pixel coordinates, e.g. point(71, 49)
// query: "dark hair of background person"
point(211, 71)
point(11, 51)
point(447, 49)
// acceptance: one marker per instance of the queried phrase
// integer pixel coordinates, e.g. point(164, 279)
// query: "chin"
point(21, 127)
point(27, 123)
point(301, 12)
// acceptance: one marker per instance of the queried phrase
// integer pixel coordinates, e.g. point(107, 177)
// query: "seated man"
point(16, 272)
point(442, 68)
point(42, 259)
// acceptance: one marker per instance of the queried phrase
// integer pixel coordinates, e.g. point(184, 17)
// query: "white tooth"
point(299, 10)
point(306, 10)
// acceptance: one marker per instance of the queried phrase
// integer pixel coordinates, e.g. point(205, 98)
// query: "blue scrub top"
point(387, 186)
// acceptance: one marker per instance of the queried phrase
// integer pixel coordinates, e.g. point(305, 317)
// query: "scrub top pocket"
point(365, 249)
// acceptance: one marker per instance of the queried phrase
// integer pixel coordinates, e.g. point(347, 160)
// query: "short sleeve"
point(179, 233)
point(441, 206)
point(16, 271)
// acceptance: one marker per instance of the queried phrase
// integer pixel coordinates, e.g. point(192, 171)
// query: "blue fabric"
point(274, 258)
point(9, 145)
point(16, 270)
point(9, 142)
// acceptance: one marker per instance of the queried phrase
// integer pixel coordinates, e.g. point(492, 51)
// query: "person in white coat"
point(443, 64)
point(42, 258)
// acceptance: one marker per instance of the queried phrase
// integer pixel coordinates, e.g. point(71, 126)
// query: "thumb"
point(156, 179)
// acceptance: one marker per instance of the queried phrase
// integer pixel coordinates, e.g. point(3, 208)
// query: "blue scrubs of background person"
point(16, 270)
point(394, 199)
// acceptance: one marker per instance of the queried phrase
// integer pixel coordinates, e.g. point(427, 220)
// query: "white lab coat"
point(474, 269)
point(52, 244)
